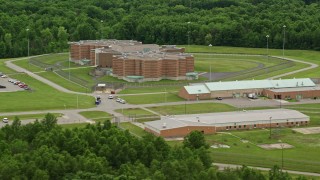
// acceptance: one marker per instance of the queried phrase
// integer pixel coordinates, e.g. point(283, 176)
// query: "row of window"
point(245, 126)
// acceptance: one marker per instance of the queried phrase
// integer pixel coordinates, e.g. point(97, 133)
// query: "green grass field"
point(193, 108)
point(64, 82)
point(135, 130)
point(29, 116)
point(140, 115)
point(26, 65)
point(249, 154)
point(4, 69)
point(98, 116)
point(133, 111)
point(153, 98)
point(304, 55)
point(42, 97)
point(231, 63)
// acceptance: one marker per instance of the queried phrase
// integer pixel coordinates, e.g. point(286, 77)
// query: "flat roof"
point(259, 84)
point(316, 88)
point(200, 89)
point(154, 55)
point(223, 118)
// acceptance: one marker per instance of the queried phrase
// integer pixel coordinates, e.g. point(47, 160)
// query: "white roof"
point(101, 85)
point(227, 118)
point(253, 84)
point(198, 89)
point(317, 88)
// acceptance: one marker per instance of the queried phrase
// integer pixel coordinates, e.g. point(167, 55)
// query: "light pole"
point(189, 36)
point(284, 39)
point(28, 46)
point(270, 126)
point(101, 30)
point(267, 36)
point(282, 145)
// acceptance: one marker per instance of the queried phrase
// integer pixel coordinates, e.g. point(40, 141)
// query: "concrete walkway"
point(234, 166)
point(312, 66)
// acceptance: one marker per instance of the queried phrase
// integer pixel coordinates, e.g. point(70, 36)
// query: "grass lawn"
point(30, 116)
point(53, 58)
point(100, 116)
point(133, 111)
point(42, 97)
point(135, 130)
point(153, 98)
point(249, 154)
point(231, 63)
point(26, 65)
point(4, 69)
point(193, 108)
point(305, 55)
point(140, 115)
point(64, 82)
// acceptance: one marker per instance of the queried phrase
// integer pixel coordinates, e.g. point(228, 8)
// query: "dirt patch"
point(276, 146)
point(216, 146)
point(311, 130)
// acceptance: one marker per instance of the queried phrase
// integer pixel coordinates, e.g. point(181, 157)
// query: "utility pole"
point(284, 39)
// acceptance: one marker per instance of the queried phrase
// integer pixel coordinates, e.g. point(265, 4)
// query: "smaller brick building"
point(277, 89)
point(181, 125)
point(293, 93)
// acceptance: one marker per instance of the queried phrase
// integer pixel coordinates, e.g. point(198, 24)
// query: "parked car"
point(118, 99)
point(21, 85)
point(5, 120)
point(16, 82)
point(110, 97)
point(219, 98)
point(1, 86)
point(122, 101)
point(4, 76)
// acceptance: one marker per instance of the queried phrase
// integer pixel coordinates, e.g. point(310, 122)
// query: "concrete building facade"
point(181, 125)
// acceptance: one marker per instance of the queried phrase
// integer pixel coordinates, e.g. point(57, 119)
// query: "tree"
point(276, 174)
point(195, 140)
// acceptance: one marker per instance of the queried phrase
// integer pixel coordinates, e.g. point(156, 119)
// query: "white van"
point(5, 120)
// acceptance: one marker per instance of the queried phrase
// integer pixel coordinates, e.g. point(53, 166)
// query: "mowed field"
point(42, 97)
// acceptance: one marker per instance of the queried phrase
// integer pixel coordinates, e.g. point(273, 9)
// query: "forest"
point(44, 150)
point(49, 24)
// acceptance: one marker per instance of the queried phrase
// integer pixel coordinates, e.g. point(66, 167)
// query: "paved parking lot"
point(10, 87)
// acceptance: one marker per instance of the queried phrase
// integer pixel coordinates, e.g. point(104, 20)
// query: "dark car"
point(219, 98)
point(2, 86)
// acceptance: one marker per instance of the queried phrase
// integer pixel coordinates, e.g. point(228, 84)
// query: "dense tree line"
point(51, 24)
point(44, 150)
